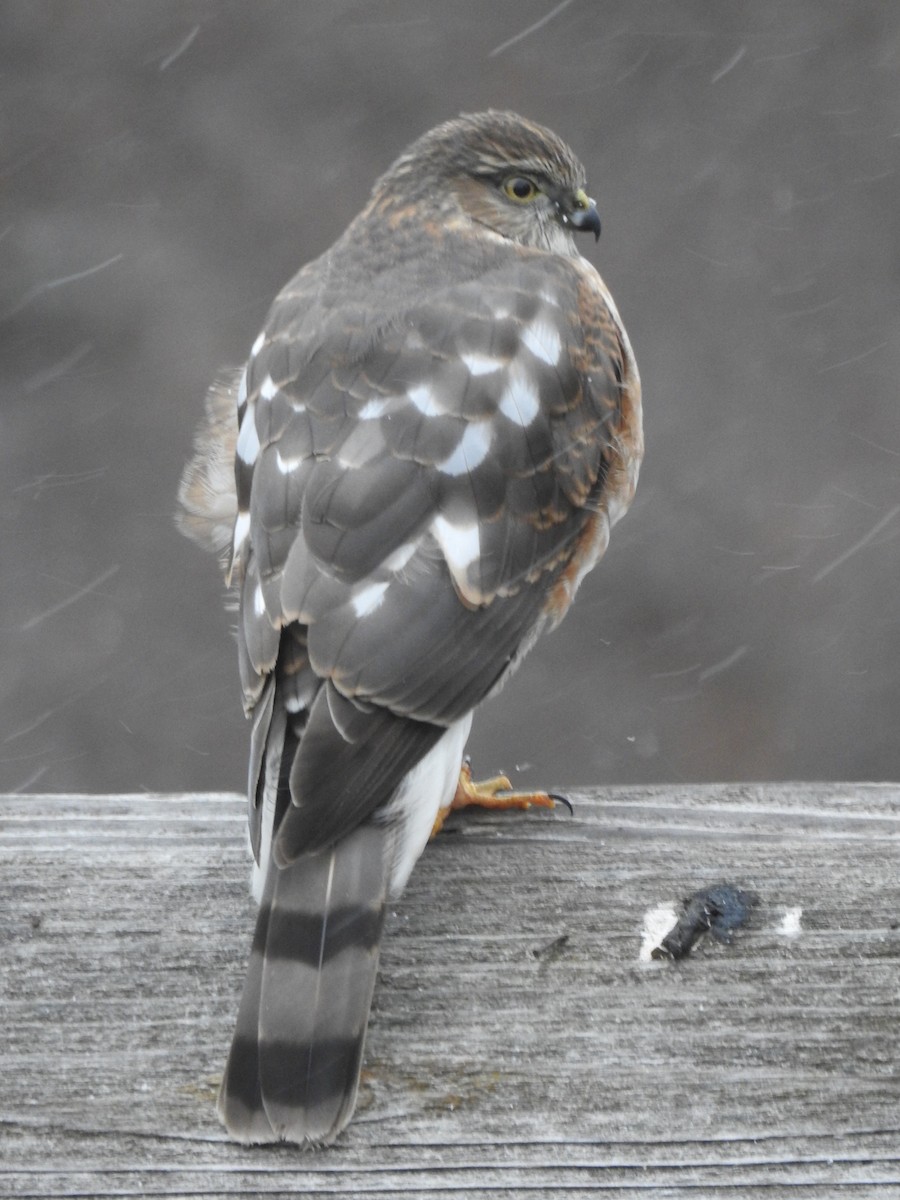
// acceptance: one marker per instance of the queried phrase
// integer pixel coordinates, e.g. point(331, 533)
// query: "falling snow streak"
point(62, 281)
point(53, 480)
point(723, 665)
point(179, 49)
point(854, 358)
point(73, 599)
point(57, 370)
point(518, 37)
point(863, 541)
point(730, 65)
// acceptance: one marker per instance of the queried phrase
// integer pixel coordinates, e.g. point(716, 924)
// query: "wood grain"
point(518, 1045)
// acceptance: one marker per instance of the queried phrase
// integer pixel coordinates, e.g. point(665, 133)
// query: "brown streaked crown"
point(483, 145)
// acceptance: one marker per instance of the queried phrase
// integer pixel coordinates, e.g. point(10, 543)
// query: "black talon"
point(560, 799)
point(557, 796)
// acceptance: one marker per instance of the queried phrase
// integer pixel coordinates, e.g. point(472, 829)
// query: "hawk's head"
point(503, 173)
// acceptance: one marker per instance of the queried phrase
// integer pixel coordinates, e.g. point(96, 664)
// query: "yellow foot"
point(494, 793)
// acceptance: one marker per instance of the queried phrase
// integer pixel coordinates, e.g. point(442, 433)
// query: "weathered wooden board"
point(518, 1046)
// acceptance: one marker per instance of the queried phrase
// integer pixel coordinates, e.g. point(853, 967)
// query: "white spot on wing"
point(481, 364)
point(248, 439)
point(401, 556)
point(460, 544)
point(242, 389)
point(241, 529)
point(369, 599)
point(424, 399)
point(257, 345)
point(286, 465)
point(520, 401)
point(269, 388)
point(373, 409)
point(471, 451)
point(543, 340)
point(259, 602)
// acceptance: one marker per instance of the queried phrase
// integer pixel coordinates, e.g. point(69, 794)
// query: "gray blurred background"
point(166, 167)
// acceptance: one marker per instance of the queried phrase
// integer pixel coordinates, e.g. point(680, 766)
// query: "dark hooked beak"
point(580, 213)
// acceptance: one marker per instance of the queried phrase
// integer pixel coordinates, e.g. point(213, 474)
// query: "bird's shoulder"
point(428, 458)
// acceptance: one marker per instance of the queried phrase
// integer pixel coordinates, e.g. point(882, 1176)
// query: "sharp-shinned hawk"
point(420, 461)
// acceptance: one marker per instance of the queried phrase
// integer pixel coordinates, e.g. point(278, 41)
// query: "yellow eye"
point(520, 189)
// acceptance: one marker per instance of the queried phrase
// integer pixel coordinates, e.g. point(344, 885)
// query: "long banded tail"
point(293, 1070)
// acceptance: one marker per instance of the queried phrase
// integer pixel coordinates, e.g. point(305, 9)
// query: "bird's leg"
point(493, 793)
